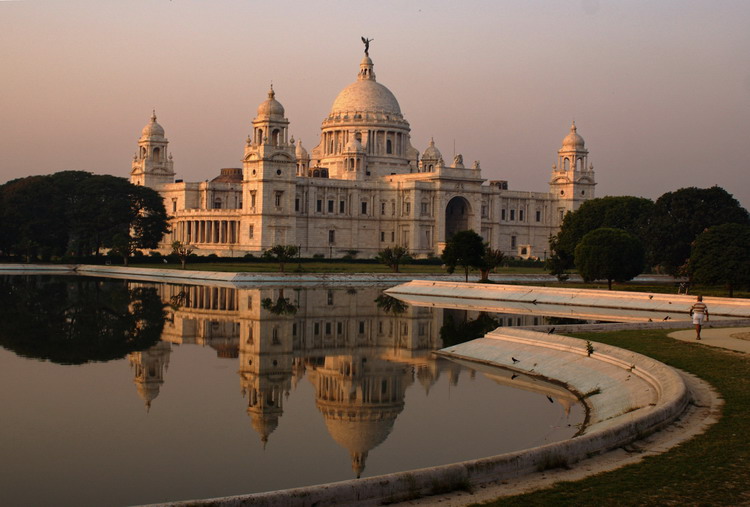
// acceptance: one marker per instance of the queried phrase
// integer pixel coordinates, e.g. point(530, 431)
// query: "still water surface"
point(120, 393)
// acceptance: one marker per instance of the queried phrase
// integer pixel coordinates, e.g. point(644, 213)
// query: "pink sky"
point(659, 89)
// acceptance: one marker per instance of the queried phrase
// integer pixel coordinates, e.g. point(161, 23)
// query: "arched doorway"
point(456, 216)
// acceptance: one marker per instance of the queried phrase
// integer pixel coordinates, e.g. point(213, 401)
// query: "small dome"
point(432, 153)
point(271, 106)
point(573, 141)
point(153, 129)
point(300, 152)
point(353, 146)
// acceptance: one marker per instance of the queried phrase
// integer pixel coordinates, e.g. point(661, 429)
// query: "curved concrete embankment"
point(239, 279)
point(628, 395)
point(561, 301)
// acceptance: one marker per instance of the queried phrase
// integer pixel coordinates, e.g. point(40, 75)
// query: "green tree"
point(490, 260)
point(393, 257)
point(680, 216)
point(465, 249)
point(631, 214)
point(609, 254)
point(281, 254)
point(721, 255)
point(77, 212)
point(182, 252)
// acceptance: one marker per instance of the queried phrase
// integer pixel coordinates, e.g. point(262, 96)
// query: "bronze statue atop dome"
point(367, 42)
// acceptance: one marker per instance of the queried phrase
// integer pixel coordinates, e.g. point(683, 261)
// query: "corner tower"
point(152, 166)
point(572, 176)
point(269, 170)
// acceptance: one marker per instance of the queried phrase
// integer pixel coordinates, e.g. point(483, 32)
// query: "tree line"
point(76, 214)
point(703, 234)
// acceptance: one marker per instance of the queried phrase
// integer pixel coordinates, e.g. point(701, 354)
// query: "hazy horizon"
point(659, 90)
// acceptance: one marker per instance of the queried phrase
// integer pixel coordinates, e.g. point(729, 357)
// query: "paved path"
point(732, 338)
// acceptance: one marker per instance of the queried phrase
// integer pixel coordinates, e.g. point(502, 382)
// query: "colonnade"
point(207, 231)
point(376, 144)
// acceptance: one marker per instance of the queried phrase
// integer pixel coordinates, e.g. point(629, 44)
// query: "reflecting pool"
point(119, 393)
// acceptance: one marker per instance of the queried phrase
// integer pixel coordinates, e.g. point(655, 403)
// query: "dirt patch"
point(740, 336)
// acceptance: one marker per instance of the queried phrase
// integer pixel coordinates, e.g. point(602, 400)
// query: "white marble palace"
point(363, 188)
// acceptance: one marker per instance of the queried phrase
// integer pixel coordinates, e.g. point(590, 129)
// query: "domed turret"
point(573, 141)
point(152, 129)
point(152, 165)
point(271, 107)
point(300, 152)
point(353, 146)
point(432, 153)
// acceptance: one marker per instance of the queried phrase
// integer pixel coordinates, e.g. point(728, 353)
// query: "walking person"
point(699, 311)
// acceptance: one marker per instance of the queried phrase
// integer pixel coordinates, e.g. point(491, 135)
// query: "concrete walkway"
point(731, 338)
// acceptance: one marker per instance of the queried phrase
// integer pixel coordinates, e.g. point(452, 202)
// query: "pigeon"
point(513, 377)
point(551, 331)
point(651, 296)
point(550, 399)
point(666, 318)
point(514, 360)
point(650, 320)
point(533, 302)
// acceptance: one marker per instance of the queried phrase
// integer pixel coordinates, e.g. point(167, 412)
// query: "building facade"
point(363, 188)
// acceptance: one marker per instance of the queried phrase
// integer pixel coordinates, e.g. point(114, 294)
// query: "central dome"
point(365, 95)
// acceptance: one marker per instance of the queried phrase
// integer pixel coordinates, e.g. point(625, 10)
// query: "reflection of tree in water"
point(561, 321)
point(180, 299)
point(457, 328)
point(77, 320)
point(282, 306)
point(389, 304)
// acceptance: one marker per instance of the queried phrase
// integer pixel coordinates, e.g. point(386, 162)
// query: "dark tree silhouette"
point(721, 255)
point(609, 254)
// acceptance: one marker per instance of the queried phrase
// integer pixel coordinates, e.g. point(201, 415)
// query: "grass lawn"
point(711, 469)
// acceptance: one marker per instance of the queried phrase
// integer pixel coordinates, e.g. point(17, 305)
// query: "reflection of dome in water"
point(264, 424)
point(149, 366)
point(360, 436)
point(360, 399)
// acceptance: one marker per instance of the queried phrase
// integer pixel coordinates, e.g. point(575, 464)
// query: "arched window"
point(566, 164)
point(275, 137)
point(388, 147)
point(157, 155)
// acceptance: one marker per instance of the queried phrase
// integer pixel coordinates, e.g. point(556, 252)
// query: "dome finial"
point(573, 127)
point(271, 93)
point(153, 115)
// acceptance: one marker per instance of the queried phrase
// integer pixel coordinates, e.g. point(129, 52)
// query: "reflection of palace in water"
point(359, 357)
